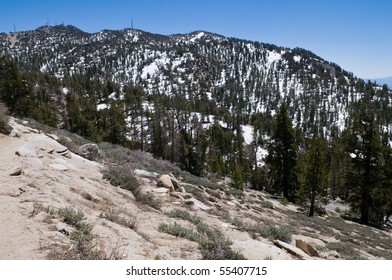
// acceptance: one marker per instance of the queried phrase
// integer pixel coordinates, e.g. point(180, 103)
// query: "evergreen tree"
point(115, 130)
point(282, 156)
point(365, 149)
point(313, 183)
point(158, 133)
point(339, 163)
point(237, 180)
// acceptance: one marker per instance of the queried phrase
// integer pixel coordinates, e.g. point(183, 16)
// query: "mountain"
point(222, 126)
point(227, 72)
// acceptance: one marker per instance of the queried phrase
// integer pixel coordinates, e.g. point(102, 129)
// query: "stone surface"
point(58, 166)
point(26, 150)
point(199, 205)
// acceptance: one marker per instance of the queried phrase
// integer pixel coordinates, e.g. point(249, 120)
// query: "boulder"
point(291, 249)
point(165, 181)
point(15, 171)
point(175, 183)
point(307, 248)
point(89, 151)
point(145, 174)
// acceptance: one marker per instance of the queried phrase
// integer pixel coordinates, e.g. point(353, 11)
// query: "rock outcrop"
point(89, 151)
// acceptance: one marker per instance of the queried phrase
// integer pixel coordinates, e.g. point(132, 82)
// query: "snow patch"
point(102, 106)
point(197, 36)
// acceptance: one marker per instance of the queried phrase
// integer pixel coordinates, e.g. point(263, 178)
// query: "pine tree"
point(313, 186)
point(365, 149)
point(237, 180)
point(282, 156)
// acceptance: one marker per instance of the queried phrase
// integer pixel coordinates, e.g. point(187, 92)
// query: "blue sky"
point(356, 34)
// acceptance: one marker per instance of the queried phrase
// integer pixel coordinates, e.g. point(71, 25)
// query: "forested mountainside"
point(215, 106)
point(223, 73)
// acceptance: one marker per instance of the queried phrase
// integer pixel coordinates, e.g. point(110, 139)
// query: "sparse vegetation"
point(114, 217)
point(122, 176)
point(212, 244)
point(276, 233)
point(345, 249)
point(178, 230)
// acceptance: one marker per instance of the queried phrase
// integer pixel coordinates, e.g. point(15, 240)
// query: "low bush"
point(178, 230)
point(212, 244)
point(276, 233)
point(123, 177)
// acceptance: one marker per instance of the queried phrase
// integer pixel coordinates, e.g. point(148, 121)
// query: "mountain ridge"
point(213, 67)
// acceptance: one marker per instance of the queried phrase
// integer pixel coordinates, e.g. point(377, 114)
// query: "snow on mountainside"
point(257, 74)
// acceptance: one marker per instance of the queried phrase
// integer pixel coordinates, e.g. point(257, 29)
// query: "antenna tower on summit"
point(131, 23)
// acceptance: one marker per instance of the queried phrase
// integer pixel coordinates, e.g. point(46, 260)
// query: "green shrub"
point(276, 233)
point(184, 215)
point(123, 177)
point(212, 244)
point(178, 230)
point(71, 216)
point(284, 201)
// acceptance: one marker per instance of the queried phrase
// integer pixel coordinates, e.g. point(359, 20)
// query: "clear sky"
point(356, 34)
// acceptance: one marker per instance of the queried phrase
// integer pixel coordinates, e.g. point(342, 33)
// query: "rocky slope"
point(56, 204)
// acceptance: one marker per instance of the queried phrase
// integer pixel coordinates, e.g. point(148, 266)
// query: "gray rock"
point(160, 190)
point(89, 151)
point(230, 203)
point(165, 181)
point(145, 174)
point(16, 171)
